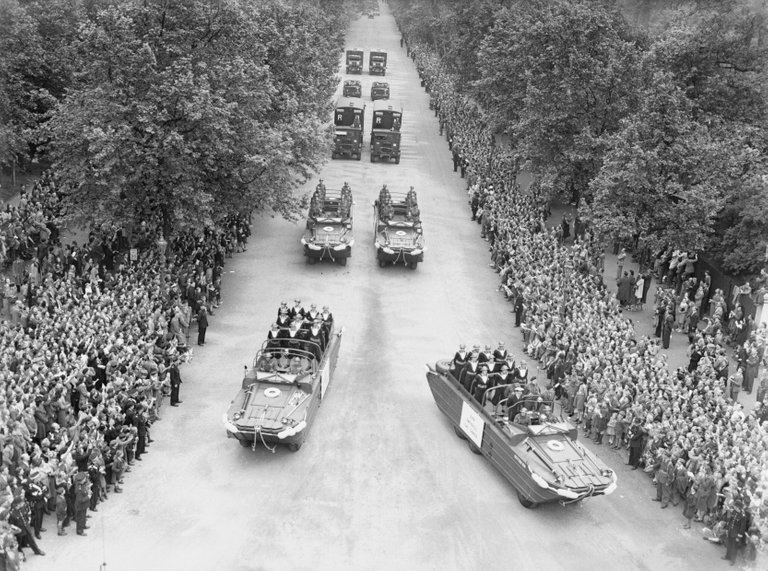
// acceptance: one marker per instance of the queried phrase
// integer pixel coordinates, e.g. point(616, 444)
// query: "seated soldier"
point(515, 402)
point(296, 367)
point(283, 362)
point(522, 417)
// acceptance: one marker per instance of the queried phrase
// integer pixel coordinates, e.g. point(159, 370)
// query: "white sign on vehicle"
point(324, 379)
point(472, 424)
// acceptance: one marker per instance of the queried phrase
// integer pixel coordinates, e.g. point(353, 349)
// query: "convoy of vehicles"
point(379, 90)
point(385, 134)
point(349, 122)
point(352, 88)
point(355, 61)
point(377, 62)
point(282, 391)
point(398, 236)
point(328, 235)
point(542, 460)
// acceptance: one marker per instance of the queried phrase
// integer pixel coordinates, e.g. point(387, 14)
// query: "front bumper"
point(399, 256)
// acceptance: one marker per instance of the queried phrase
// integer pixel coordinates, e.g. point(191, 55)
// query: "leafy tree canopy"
point(181, 113)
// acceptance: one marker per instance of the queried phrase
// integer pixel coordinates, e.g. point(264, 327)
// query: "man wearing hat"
point(515, 402)
point(487, 357)
point(470, 369)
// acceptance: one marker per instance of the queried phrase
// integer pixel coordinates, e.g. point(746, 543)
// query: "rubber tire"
point(443, 366)
point(294, 446)
point(244, 443)
point(473, 447)
point(359, 156)
point(397, 160)
point(459, 433)
point(382, 263)
point(413, 265)
point(311, 261)
point(342, 261)
point(525, 502)
point(333, 155)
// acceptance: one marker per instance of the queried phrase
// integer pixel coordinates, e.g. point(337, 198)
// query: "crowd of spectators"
point(91, 344)
point(685, 427)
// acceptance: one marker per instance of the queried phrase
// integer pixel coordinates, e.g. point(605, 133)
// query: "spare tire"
point(443, 366)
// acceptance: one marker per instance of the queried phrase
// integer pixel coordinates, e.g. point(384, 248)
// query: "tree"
point(182, 113)
point(663, 176)
point(558, 76)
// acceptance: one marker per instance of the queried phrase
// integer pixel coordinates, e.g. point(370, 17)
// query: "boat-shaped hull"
point(543, 463)
point(275, 407)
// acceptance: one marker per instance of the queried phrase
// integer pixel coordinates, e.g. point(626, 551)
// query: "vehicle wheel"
point(525, 502)
point(342, 261)
point(473, 447)
point(397, 160)
point(413, 265)
point(359, 156)
point(333, 155)
point(458, 432)
point(443, 366)
point(373, 159)
point(311, 261)
point(294, 446)
point(382, 263)
point(244, 443)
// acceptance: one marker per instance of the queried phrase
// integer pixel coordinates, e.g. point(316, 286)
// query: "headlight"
point(539, 480)
point(228, 425)
point(388, 250)
point(303, 241)
point(416, 251)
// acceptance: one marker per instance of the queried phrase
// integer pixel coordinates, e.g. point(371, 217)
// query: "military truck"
point(398, 236)
point(349, 123)
point(385, 135)
point(377, 63)
point(329, 226)
point(355, 61)
point(281, 393)
point(352, 88)
point(379, 90)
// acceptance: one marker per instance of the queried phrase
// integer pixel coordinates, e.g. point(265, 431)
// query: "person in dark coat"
point(175, 380)
point(666, 329)
point(625, 289)
point(202, 325)
point(519, 306)
point(636, 435)
point(737, 523)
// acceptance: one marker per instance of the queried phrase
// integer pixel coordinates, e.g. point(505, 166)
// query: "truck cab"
point(355, 61)
point(377, 63)
point(385, 134)
point(349, 124)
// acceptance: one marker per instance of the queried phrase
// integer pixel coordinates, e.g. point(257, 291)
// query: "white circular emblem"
point(400, 233)
point(328, 228)
point(271, 392)
point(555, 445)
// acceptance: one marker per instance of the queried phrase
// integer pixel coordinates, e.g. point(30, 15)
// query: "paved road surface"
point(382, 482)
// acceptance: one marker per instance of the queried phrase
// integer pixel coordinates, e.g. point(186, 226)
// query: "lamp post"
point(162, 245)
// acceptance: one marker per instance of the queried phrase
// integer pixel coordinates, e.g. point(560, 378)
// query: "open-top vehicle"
point(543, 461)
point(352, 88)
point(282, 391)
point(385, 134)
point(349, 123)
point(398, 236)
point(379, 90)
point(377, 62)
point(329, 226)
point(355, 61)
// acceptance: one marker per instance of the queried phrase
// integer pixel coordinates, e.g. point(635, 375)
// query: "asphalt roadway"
point(382, 481)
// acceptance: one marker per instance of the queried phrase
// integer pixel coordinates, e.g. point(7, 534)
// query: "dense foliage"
point(650, 115)
point(177, 113)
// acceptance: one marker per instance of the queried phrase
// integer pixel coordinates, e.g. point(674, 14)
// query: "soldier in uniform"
point(737, 523)
point(500, 355)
